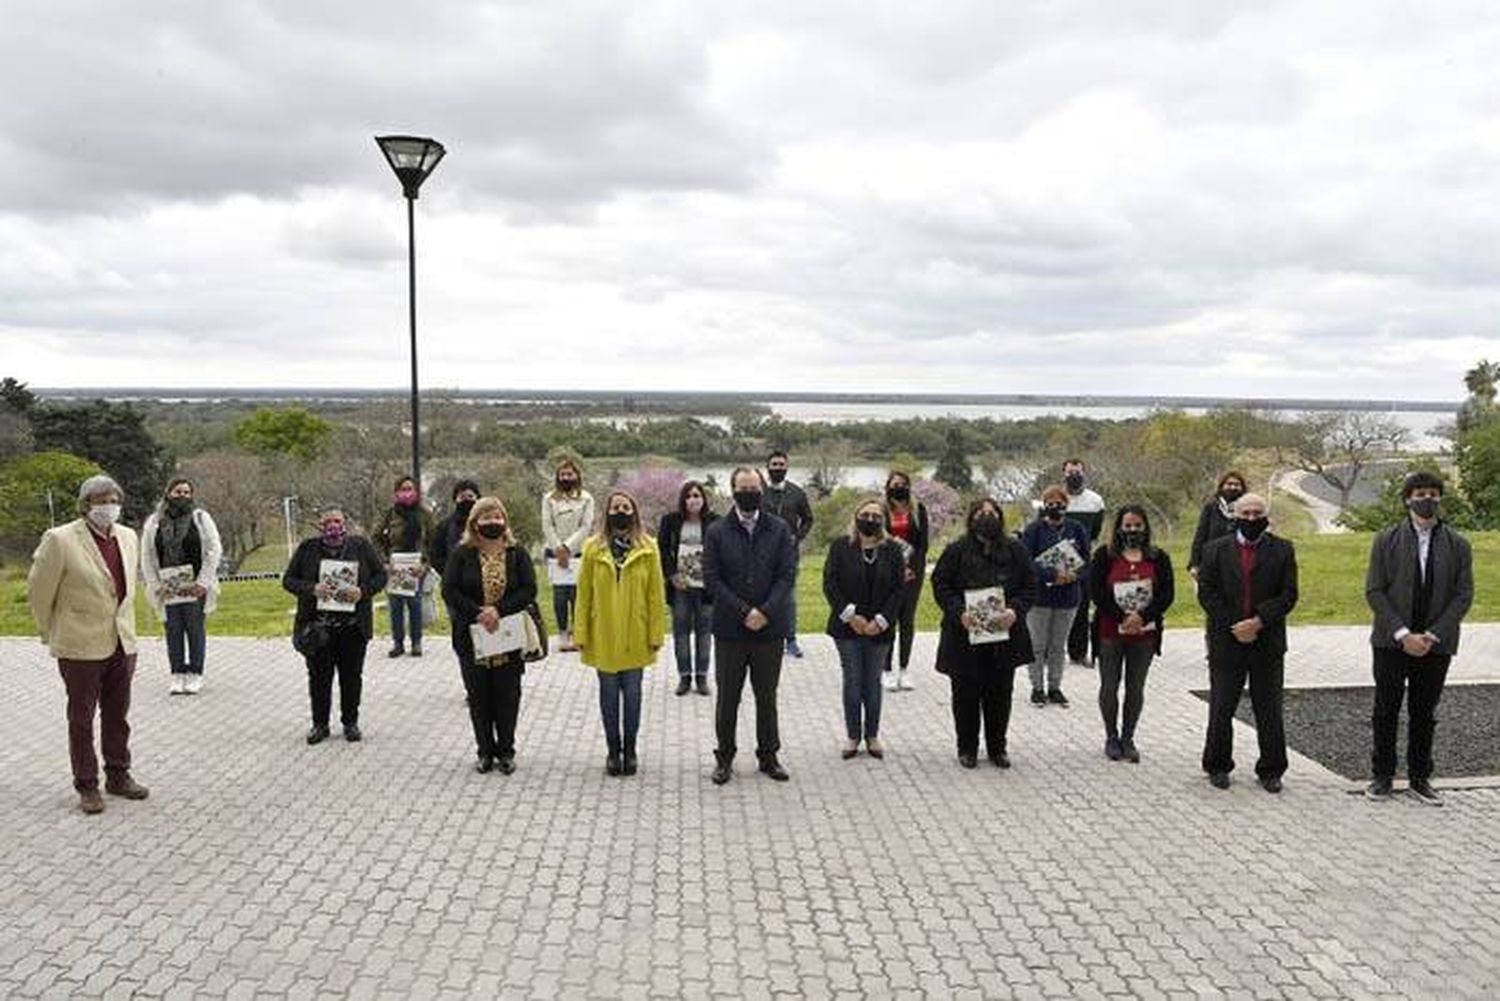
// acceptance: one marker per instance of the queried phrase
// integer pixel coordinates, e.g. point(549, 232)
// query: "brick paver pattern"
point(262, 867)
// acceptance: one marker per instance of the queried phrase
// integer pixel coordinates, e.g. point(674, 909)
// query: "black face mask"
point(1252, 528)
point(491, 529)
point(1424, 507)
point(987, 526)
point(179, 506)
point(747, 501)
point(568, 485)
point(1074, 481)
point(869, 527)
point(1132, 538)
point(1054, 512)
point(776, 475)
point(902, 494)
point(462, 509)
point(620, 520)
point(1231, 494)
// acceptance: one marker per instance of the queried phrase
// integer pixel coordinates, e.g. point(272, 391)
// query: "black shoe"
point(506, 764)
point(1379, 788)
point(1057, 698)
point(1425, 793)
point(684, 686)
point(703, 686)
point(416, 649)
point(793, 650)
point(612, 764)
point(723, 771)
point(317, 734)
point(1271, 784)
point(1039, 698)
point(968, 760)
point(484, 764)
point(352, 734)
point(396, 651)
point(1000, 760)
point(770, 766)
point(1219, 780)
point(630, 764)
point(1113, 750)
point(1132, 755)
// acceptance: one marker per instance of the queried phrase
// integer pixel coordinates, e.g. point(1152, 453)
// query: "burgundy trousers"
point(102, 687)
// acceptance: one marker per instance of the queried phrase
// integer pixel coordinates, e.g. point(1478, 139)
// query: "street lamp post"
point(412, 158)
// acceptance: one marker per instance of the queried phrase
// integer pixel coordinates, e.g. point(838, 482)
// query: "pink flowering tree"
point(654, 489)
point(943, 503)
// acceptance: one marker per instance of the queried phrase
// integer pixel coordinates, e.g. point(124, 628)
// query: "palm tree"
point(1481, 381)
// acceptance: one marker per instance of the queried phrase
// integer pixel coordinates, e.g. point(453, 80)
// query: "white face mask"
point(104, 515)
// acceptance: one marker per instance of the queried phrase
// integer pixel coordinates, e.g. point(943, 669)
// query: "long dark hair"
point(682, 496)
point(1114, 533)
point(974, 508)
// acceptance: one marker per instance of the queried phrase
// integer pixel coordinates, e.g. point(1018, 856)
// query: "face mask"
point(747, 501)
point(620, 520)
point(1054, 512)
point(1074, 481)
point(1232, 494)
point(1424, 507)
point(332, 535)
point(694, 504)
point(899, 493)
point(491, 529)
point(406, 498)
point(462, 508)
point(869, 527)
point(1252, 528)
point(566, 484)
point(777, 475)
point(987, 526)
point(104, 515)
point(1132, 538)
point(179, 506)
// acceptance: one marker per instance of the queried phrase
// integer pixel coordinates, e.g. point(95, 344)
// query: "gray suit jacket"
point(1393, 576)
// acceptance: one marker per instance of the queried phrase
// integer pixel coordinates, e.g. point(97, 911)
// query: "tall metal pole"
point(411, 275)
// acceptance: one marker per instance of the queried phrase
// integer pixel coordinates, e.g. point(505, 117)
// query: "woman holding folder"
point(489, 578)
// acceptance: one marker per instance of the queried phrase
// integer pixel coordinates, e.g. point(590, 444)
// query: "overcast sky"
point(1237, 198)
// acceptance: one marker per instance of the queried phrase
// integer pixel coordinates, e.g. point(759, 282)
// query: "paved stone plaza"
point(263, 867)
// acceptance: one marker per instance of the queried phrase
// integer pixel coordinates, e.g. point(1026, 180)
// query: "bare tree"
point(233, 487)
point(1338, 446)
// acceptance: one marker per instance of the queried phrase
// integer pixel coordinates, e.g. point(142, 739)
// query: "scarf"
point(171, 533)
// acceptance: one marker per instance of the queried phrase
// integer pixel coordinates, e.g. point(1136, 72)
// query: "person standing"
point(448, 533)
point(907, 521)
point(488, 577)
point(406, 528)
point(1420, 585)
point(181, 534)
point(81, 590)
point(1216, 520)
point(619, 625)
point(750, 568)
point(334, 640)
point(864, 582)
point(1247, 585)
point(787, 501)
point(1059, 548)
point(982, 675)
point(680, 540)
point(567, 519)
point(1132, 586)
point(1086, 507)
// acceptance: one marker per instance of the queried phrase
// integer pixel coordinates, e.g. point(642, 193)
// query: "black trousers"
point(1081, 633)
point(1230, 663)
point(906, 622)
point(983, 692)
point(1132, 660)
point(345, 656)
point(761, 660)
point(1396, 673)
point(494, 703)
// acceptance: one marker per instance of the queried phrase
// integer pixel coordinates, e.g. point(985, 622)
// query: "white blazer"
point(72, 594)
point(208, 576)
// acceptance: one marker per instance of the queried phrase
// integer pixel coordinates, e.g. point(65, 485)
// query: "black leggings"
point(906, 623)
point(1135, 660)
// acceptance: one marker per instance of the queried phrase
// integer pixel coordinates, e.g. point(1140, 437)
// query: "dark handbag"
point(536, 645)
point(312, 637)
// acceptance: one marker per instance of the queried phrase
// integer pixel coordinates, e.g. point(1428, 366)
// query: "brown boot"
point(125, 786)
point(90, 802)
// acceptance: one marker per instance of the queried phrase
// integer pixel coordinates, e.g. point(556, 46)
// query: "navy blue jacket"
point(744, 572)
point(1040, 536)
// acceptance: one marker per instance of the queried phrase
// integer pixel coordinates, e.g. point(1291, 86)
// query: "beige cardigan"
point(72, 594)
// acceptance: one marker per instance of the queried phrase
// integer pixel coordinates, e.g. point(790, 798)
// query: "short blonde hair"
point(482, 507)
point(885, 513)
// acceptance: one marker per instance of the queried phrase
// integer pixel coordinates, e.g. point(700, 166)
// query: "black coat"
point(1273, 592)
point(1163, 591)
point(877, 590)
point(791, 506)
point(967, 565)
point(445, 539)
point(919, 541)
point(743, 572)
point(1213, 524)
point(669, 538)
point(463, 592)
point(301, 577)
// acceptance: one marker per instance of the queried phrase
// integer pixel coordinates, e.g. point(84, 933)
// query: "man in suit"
point(750, 568)
point(81, 589)
point(1247, 585)
point(1420, 585)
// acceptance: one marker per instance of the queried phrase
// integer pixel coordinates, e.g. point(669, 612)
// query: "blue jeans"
point(406, 608)
point(563, 596)
point(863, 661)
point(185, 637)
point(622, 688)
point(692, 632)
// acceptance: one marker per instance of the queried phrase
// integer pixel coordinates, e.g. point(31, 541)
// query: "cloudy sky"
point(1230, 198)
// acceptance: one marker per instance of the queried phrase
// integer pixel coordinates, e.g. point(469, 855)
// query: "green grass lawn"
point(1332, 585)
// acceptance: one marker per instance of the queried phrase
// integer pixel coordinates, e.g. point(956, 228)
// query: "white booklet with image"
point(564, 575)
point(342, 576)
point(984, 606)
point(508, 637)
point(690, 563)
point(405, 580)
point(177, 584)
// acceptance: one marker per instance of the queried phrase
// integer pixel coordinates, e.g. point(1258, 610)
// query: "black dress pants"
point(345, 656)
point(1396, 674)
point(1230, 663)
point(982, 691)
point(494, 695)
point(761, 661)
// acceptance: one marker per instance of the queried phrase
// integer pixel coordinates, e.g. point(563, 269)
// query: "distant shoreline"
point(706, 400)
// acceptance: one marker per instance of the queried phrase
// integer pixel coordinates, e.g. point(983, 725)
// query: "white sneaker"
point(194, 684)
point(179, 685)
point(903, 680)
point(888, 681)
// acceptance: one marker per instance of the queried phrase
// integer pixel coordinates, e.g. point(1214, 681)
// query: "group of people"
point(1007, 599)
